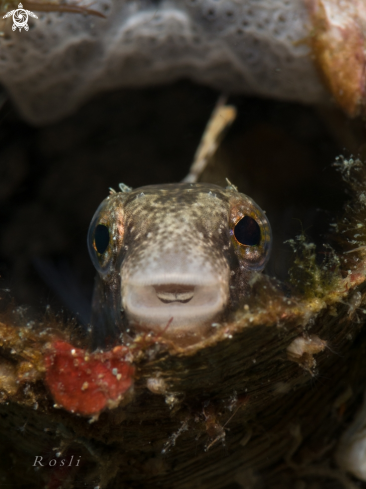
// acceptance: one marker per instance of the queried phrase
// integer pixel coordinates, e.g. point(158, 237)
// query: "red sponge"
point(84, 382)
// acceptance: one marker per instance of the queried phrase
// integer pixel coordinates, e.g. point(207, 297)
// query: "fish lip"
point(177, 279)
point(196, 306)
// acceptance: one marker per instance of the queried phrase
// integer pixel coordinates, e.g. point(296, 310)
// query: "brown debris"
point(8, 378)
point(302, 351)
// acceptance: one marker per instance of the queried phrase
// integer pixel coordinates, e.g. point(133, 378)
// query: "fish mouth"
point(170, 293)
point(190, 307)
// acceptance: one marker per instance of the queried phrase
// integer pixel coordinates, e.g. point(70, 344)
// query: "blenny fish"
point(175, 254)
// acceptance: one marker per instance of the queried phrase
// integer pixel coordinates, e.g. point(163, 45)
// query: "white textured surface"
point(246, 46)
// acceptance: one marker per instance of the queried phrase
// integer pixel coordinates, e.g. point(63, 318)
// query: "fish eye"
point(247, 232)
point(101, 238)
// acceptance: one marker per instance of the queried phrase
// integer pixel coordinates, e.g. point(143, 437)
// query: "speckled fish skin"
point(172, 253)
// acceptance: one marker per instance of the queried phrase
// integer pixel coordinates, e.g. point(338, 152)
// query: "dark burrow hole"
point(52, 178)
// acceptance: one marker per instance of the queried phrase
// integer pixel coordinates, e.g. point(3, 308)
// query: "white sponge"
point(241, 46)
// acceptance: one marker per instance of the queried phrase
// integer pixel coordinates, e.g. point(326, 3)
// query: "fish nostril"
point(168, 293)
